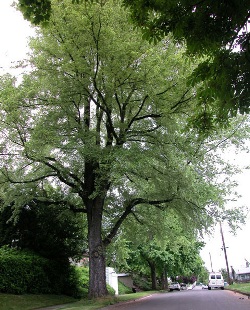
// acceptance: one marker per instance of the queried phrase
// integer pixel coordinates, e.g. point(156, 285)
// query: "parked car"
point(183, 286)
point(204, 286)
point(174, 286)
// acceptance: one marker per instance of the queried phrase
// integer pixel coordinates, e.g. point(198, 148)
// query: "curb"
point(120, 303)
point(55, 307)
point(240, 292)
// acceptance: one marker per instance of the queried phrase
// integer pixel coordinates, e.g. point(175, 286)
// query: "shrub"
point(82, 280)
point(110, 289)
point(123, 289)
point(24, 272)
point(142, 282)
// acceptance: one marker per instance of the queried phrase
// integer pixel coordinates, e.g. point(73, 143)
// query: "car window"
point(218, 276)
point(213, 276)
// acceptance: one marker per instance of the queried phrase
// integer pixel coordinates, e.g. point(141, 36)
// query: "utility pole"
point(225, 252)
point(247, 263)
point(211, 262)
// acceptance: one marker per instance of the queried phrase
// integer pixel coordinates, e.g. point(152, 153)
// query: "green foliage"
point(224, 273)
point(142, 281)
point(206, 25)
point(123, 289)
point(203, 276)
point(111, 291)
point(217, 29)
point(27, 273)
point(22, 273)
point(168, 251)
point(36, 11)
point(48, 229)
point(83, 280)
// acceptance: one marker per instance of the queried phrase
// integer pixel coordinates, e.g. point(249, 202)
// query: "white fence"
point(112, 278)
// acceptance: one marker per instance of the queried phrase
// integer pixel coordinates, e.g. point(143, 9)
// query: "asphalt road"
point(196, 299)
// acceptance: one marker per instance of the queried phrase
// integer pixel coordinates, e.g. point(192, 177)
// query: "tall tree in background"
point(157, 244)
point(102, 118)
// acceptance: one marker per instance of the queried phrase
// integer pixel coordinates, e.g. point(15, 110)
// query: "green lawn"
point(29, 302)
point(242, 287)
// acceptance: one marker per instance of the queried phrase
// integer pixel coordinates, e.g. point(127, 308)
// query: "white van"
point(215, 280)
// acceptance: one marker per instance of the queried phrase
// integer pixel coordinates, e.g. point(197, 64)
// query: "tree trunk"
point(97, 262)
point(153, 276)
point(164, 280)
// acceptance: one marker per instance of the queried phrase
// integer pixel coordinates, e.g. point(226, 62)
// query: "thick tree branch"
point(128, 210)
point(64, 178)
point(9, 179)
point(182, 99)
point(138, 112)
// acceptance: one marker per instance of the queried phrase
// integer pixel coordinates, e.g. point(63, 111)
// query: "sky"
point(14, 33)
point(237, 246)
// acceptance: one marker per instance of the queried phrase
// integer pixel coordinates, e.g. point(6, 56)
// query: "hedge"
point(23, 272)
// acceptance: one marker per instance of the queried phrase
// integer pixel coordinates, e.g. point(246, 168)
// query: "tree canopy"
point(205, 25)
point(217, 29)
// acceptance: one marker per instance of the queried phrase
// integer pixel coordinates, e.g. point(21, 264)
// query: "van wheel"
point(222, 287)
point(209, 288)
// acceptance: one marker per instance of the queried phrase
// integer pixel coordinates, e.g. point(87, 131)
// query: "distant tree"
point(224, 273)
point(179, 259)
point(157, 252)
point(203, 276)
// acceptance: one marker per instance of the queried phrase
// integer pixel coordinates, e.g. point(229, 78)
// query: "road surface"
point(196, 299)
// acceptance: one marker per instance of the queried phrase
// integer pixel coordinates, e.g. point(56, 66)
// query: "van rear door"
point(216, 280)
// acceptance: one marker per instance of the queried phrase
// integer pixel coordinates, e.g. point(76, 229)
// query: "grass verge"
point(30, 302)
point(240, 287)
point(27, 302)
point(84, 304)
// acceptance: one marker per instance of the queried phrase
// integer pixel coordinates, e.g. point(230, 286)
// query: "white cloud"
point(14, 35)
